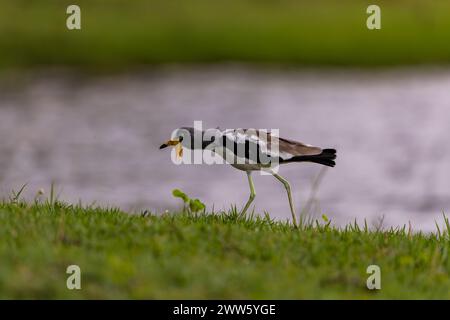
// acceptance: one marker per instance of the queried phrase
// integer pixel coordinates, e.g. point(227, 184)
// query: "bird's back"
point(259, 149)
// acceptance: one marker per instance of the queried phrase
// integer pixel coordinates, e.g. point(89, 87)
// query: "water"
point(97, 138)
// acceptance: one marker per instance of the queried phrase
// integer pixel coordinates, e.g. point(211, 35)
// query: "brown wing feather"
point(293, 147)
point(297, 148)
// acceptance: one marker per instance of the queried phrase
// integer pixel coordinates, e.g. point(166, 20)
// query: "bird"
point(251, 150)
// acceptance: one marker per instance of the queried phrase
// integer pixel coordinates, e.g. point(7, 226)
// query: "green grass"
point(117, 34)
point(221, 255)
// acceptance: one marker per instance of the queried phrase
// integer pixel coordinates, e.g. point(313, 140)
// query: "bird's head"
point(190, 138)
point(183, 137)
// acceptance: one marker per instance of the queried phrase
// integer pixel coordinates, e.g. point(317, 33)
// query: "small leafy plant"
point(189, 205)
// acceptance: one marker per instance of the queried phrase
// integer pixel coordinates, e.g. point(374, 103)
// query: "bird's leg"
point(288, 189)
point(252, 192)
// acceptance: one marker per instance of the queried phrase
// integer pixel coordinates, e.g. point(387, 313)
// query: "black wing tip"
point(329, 151)
point(328, 154)
point(326, 158)
point(330, 163)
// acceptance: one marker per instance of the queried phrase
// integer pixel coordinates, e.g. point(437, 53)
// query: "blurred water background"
point(87, 109)
point(97, 139)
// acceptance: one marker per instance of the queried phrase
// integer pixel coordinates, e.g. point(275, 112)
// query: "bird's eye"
point(180, 138)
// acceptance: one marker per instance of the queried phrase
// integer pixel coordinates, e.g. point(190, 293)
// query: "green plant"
point(189, 205)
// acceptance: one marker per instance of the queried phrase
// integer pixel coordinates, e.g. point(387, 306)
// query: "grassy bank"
point(119, 33)
point(208, 256)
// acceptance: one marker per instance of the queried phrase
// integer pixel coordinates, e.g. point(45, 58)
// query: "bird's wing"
point(270, 144)
point(296, 148)
point(288, 148)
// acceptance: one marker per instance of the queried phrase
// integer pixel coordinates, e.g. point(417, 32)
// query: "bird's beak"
point(176, 144)
point(169, 143)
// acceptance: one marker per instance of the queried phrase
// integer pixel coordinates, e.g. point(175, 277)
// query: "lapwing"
point(251, 150)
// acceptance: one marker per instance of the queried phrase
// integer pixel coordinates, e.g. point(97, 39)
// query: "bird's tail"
point(325, 158)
